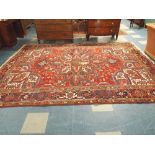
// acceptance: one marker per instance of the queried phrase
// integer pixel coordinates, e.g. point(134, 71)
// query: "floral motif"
point(77, 74)
point(122, 93)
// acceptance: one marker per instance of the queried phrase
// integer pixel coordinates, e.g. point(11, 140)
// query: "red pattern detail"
point(77, 74)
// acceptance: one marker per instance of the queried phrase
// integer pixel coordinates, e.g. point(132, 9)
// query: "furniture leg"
point(72, 40)
point(87, 36)
point(116, 36)
point(131, 23)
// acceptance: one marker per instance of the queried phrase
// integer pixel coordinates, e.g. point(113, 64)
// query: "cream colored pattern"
point(102, 108)
point(121, 39)
point(143, 42)
point(136, 36)
point(109, 133)
point(35, 123)
point(130, 31)
point(122, 26)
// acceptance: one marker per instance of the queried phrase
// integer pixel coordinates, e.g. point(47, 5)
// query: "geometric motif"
point(77, 74)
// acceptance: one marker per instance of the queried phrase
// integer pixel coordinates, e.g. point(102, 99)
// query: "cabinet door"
point(1, 42)
point(8, 34)
point(18, 28)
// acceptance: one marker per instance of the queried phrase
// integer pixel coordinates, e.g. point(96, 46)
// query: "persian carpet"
point(77, 74)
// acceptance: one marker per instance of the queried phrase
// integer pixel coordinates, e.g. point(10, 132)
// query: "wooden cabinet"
point(54, 29)
point(79, 25)
point(7, 33)
point(103, 27)
point(26, 23)
point(18, 28)
point(139, 22)
point(150, 46)
point(10, 30)
point(1, 42)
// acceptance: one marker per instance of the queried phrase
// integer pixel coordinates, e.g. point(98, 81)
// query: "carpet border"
point(73, 102)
